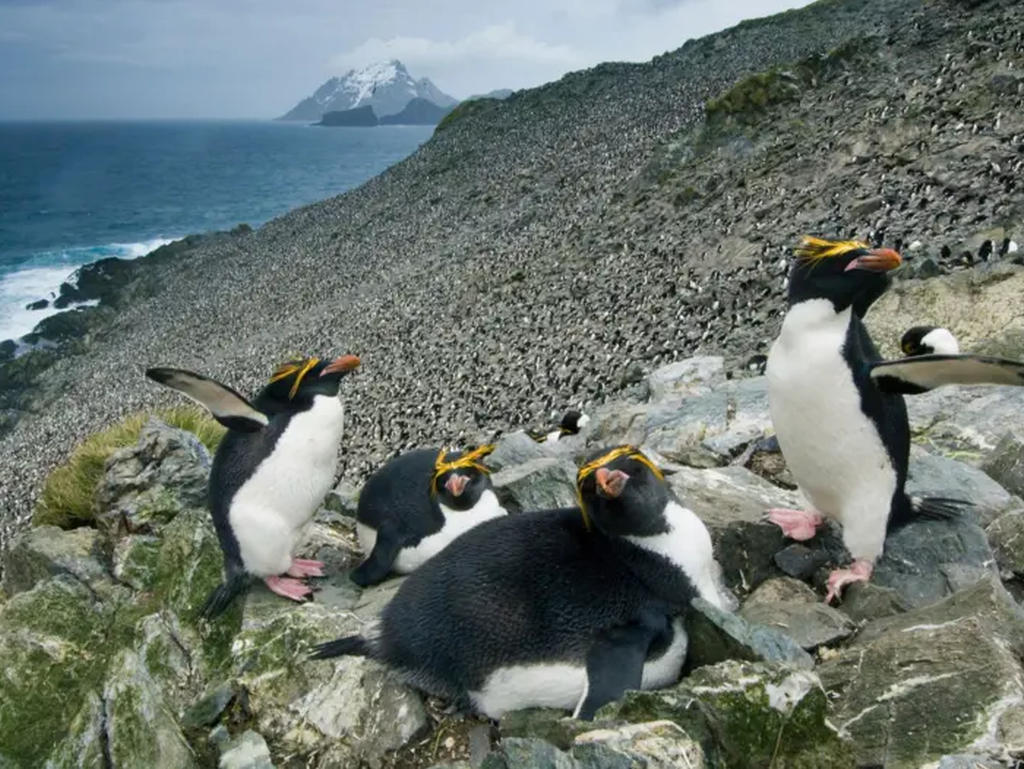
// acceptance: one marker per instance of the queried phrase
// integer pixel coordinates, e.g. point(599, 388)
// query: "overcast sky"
point(257, 58)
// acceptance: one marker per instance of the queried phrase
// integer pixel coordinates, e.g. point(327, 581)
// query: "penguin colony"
point(570, 608)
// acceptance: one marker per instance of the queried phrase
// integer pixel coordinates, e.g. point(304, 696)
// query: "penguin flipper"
point(922, 373)
point(353, 645)
point(222, 596)
point(228, 407)
point(615, 662)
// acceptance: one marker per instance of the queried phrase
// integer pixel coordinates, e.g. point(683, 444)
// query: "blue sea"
point(75, 192)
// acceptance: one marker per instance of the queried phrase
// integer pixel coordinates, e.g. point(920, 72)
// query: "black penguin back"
point(397, 496)
point(530, 588)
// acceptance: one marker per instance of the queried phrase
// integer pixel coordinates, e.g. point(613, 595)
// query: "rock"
point(39, 304)
point(809, 624)
point(966, 423)
point(343, 498)
point(516, 448)
point(934, 476)
point(654, 745)
point(549, 724)
point(146, 485)
point(208, 710)
point(339, 712)
point(926, 268)
point(969, 761)
point(45, 551)
point(520, 753)
point(135, 560)
point(84, 744)
point(924, 561)
point(248, 751)
point(686, 377)
point(540, 484)
point(781, 589)
point(1005, 463)
point(938, 680)
point(140, 729)
point(722, 495)
point(1006, 535)
point(716, 635)
point(867, 601)
point(746, 716)
point(746, 553)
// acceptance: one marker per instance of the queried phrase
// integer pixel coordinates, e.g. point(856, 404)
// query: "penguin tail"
point(351, 646)
point(930, 509)
point(222, 596)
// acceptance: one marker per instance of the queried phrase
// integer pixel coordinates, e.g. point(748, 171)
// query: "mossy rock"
point(54, 648)
point(746, 716)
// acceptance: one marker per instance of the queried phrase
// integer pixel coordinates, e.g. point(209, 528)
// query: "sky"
point(258, 58)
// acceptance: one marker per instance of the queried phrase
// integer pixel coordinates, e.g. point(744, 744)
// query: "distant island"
point(419, 111)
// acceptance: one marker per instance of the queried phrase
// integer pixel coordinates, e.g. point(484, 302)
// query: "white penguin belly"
point(830, 445)
point(272, 508)
point(564, 684)
point(456, 523)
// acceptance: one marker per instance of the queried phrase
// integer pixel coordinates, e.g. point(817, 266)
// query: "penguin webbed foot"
point(859, 571)
point(799, 525)
point(303, 567)
point(294, 589)
point(222, 596)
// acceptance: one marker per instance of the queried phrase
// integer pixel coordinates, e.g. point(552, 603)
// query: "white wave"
point(42, 276)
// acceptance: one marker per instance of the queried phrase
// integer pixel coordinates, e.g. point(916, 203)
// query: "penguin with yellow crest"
point(271, 471)
point(417, 503)
point(558, 608)
point(838, 408)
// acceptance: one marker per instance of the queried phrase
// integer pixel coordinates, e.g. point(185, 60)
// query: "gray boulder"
point(722, 495)
point(691, 376)
point(45, 551)
point(935, 476)
point(1006, 535)
point(939, 680)
point(539, 484)
point(716, 636)
point(1005, 463)
point(247, 751)
point(146, 485)
point(797, 611)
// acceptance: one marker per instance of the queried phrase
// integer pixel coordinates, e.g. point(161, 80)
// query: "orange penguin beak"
point(344, 364)
point(876, 260)
point(610, 482)
point(456, 484)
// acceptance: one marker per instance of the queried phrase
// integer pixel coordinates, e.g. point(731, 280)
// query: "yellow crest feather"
point(813, 249)
point(591, 467)
point(296, 368)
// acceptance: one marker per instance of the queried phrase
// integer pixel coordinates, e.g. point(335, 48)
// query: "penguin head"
point(572, 422)
point(460, 478)
point(928, 340)
point(295, 384)
point(621, 492)
point(847, 273)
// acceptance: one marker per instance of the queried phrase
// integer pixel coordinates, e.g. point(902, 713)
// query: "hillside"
point(550, 248)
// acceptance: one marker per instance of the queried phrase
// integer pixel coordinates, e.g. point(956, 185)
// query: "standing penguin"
point(928, 340)
point(836, 406)
point(571, 423)
point(564, 608)
point(271, 470)
point(417, 503)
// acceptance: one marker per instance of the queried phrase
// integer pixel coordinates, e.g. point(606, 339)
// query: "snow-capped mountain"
point(386, 86)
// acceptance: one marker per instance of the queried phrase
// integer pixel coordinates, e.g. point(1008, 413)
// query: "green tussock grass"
point(68, 496)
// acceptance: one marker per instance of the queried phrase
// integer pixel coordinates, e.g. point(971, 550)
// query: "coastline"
point(550, 249)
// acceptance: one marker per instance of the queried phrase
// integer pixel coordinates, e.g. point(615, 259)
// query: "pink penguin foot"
point(289, 588)
point(859, 571)
point(796, 524)
point(302, 567)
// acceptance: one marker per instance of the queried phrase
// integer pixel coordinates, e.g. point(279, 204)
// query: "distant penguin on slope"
point(417, 503)
point(928, 340)
point(564, 608)
point(836, 406)
point(571, 423)
point(271, 470)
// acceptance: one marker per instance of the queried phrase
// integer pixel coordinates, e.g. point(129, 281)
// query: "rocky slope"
point(105, 664)
point(551, 248)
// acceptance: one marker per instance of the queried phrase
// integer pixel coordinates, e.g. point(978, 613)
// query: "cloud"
point(496, 42)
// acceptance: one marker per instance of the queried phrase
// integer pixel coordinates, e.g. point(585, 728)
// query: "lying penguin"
point(271, 471)
point(564, 608)
point(572, 422)
point(417, 503)
point(928, 340)
point(836, 406)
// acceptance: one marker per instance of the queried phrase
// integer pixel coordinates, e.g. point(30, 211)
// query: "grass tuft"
point(68, 496)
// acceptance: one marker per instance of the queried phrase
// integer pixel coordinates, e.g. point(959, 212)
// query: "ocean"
point(75, 192)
